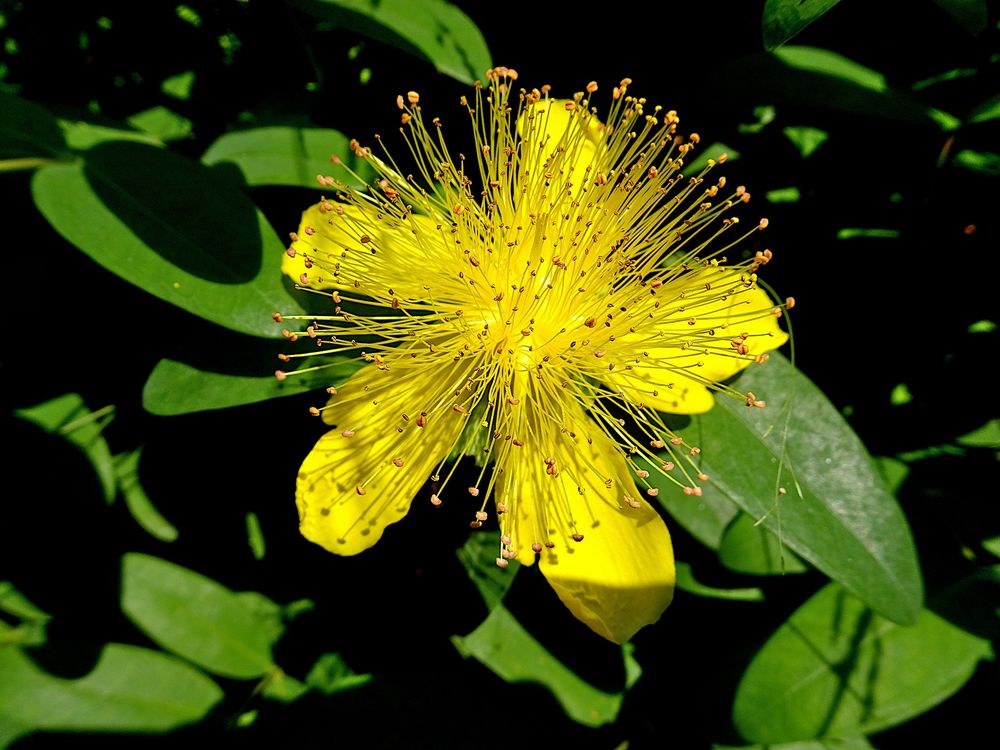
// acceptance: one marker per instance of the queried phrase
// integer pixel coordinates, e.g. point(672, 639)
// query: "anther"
point(536, 547)
point(577, 537)
point(314, 411)
point(474, 491)
point(397, 462)
point(276, 317)
point(501, 563)
point(360, 490)
point(480, 514)
point(435, 500)
point(347, 433)
point(280, 374)
point(789, 302)
point(652, 491)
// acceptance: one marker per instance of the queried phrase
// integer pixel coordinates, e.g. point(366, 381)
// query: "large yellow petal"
point(560, 139)
point(362, 476)
point(620, 576)
point(668, 368)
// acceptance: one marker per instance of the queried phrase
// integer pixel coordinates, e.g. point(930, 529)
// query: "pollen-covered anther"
point(501, 509)
point(475, 524)
point(481, 514)
point(592, 87)
point(314, 411)
point(657, 444)
point(702, 477)
point(536, 547)
point(577, 537)
point(590, 322)
point(762, 224)
point(676, 440)
point(501, 562)
point(360, 490)
point(458, 408)
point(474, 491)
point(789, 302)
point(760, 359)
point(276, 317)
point(642, 473)
point(632, 502)
point(667, 466)
point(284, 358)
point(420, 421)
point(413, 97)
point(435, 500)
point(397, 462)
point(347, 433)
point(280, 375)
point(695, 451)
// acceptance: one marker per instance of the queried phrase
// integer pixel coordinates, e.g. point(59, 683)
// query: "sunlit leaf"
point(987, 436)
point(68, 417)
point(806, 139)
point(752, 549)
point(705, 518)
point(513, 654)
point(893, 471)
point(31, 631)
point(176, 388)
point(837, 514)
point(432, 29)
point(81, 135)
point(283, 688)
point(783, 195)
point(831, 743)
point(687, 582)
point(136, 499)
point(163, 123)
point(289, 156)
point(130, 689)
point(783, 19)
point(330, 674)
point(978, 161)
point(191, 238)
point(198, 618)
point(817, 60)
point(179, 86)
point(835, 668)
point(988, 110)
point(255, 536)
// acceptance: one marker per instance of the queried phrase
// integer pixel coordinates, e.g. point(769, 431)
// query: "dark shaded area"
point(873, 313)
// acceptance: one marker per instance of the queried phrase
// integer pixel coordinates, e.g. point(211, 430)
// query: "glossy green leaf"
point(835, 668)
point(837, 514)
point(179, 86)
point(833, 743)
point(978, 161)
point(81, 135)
point(28, 129)
point(330, 674)
point(136, 499)
point(282, 687)
point(289, 156)
point(817, 60)
point(987, 436)
point(176, 388)
point(705, 518)
point(988, 110)
point(130, 689)
point(687, 582)
point(806, 139)
point(783, 195)
point(162, 123)
point(750, 548)
point(198, 618)
point(432, 29)
point(893, 471)
point(13, 602)
point(478, 556)
point(188, 236)
point(512, 653)
point(971, 15)
point(68, 417)
point(783, 19)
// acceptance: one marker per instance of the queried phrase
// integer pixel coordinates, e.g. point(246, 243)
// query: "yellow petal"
point(562, 140)
point(367, 250)
point(620, 577)
point(677, 361)
point(362, 476)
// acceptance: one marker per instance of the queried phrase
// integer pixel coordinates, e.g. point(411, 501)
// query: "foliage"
point(153, 580)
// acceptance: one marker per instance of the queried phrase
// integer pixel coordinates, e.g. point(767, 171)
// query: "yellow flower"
point(536, 302)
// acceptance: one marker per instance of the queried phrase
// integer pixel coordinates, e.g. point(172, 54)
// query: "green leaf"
point(783, 195)
point(130, 689)
point(711, 151)
point(817, 60)
point(893, 471)
point(176, 388)
point(136, 499)
point(283, 688)
point(255, 536)
point(851, 233)
point(783, 19)
point(988, 110)
point(987, 436)
point(68, 417)
point(806, 139)
point(978, 161)
point(330, 674)
point(837, 514)
point(81, 135)
point(971, 15)
point(752, 549)
point(478, 556)
point(289, 156)
point(33, 621)
point(198, 618)
point(833, 743)
point(835, 668)
point(432, 29)
point(13, 602)
point(163, 123)
point(705, 518)
point(686, 582)
point(28, 129)
point(179, 86)
point(513, 654)
point(190, 237)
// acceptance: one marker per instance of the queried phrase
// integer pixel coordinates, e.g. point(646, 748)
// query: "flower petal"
point(362, 476)
point(563, 139)
point(364, 246)
point(620, 576)
point(669, 370)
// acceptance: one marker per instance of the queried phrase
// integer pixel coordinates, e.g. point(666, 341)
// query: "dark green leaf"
point(987, 436)
point(13, 602)
point(81, 135)
point(836, 668)
point(513, 654)
point(289, 156)
point(845, 743)
point(971, 15)
point(988, 110)
point(172, 227)
point(179, 86)
point(686, 582)
point(783, 19)
point(478, 555)
point(432, 29)
point(330, 674)
point(806, 139)
point(851, 233)
point(705, 518)
point(68, 417)
point(978, 161)
point(130, 689)
point(836, 514)
point(28, 130)
point(138, 502)
point(162, 123)
point(176, 388)
point(816, 60)
point(255, 536)
point(198, 618)
point(783, 195)
point(752, 549)
point(893, 471)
